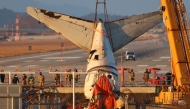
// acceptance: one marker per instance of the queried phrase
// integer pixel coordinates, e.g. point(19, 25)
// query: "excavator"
point(176, 24)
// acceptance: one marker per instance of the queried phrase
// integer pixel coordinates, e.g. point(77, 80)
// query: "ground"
point(21, 47)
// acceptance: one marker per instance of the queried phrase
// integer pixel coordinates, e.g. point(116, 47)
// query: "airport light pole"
point(61, 64)
point(73, 90)
point(121, 58)
point(61, 55)
point(122, 75)
point(12, 30)
point(7, 29)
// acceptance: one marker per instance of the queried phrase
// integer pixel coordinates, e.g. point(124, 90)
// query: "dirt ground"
point(21, 47)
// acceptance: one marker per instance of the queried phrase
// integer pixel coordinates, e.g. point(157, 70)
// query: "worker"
point(24, 79)
point(56, 77)
point(24, 105)
point(41, 80)
point(2, 76)
point(77, 76)
point(168, 78)
point(146, 76)
point(15, 79)
point(69, 75)
point(131, 76)
point(31, 81)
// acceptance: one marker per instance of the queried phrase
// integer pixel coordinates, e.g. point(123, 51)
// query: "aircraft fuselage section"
point(101, 61)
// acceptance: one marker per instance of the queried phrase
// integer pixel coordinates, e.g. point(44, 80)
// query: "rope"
point(102, 31)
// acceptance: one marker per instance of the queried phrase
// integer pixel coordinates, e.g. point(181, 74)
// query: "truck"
point(130, 55)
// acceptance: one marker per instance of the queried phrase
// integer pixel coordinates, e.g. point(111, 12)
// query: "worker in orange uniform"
point(41, 80)
point(24, 79)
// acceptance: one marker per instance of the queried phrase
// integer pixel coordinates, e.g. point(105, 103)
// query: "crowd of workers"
point(69, 77)
point(31, 80)
point(41, 78)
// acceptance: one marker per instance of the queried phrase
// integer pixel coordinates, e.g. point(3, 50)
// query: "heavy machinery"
point(177, 27)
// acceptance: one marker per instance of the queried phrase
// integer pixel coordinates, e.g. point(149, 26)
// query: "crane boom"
point(177, 28)
point(176, 23)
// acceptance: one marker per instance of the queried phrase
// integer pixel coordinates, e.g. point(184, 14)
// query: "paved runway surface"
point(148, 54)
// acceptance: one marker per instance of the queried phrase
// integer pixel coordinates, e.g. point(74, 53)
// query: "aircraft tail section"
point(127, 29)
point(80, 31)
point(77, 30)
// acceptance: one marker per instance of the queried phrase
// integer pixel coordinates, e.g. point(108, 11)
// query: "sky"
point(83, 7)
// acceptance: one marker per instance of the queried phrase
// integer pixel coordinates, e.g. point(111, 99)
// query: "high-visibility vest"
point(41, 78)
point(56, 76)
point(132, 74)
point(31, 80)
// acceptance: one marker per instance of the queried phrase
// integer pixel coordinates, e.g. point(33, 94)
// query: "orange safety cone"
point(17, 69)
point(2, 69)
point(50, 68)
point(82, 68)
point(34, 69)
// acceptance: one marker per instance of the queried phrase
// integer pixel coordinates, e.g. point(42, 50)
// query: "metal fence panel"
point(10, 96)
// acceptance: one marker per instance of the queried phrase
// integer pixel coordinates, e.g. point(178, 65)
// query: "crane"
point(177, 28)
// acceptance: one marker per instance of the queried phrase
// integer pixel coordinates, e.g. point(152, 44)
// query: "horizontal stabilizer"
point(125, 30)
point(77, 30)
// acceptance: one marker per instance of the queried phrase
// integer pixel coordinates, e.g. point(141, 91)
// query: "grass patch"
point(16, 48)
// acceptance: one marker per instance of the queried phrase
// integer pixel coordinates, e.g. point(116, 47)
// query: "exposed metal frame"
point(105, 11)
